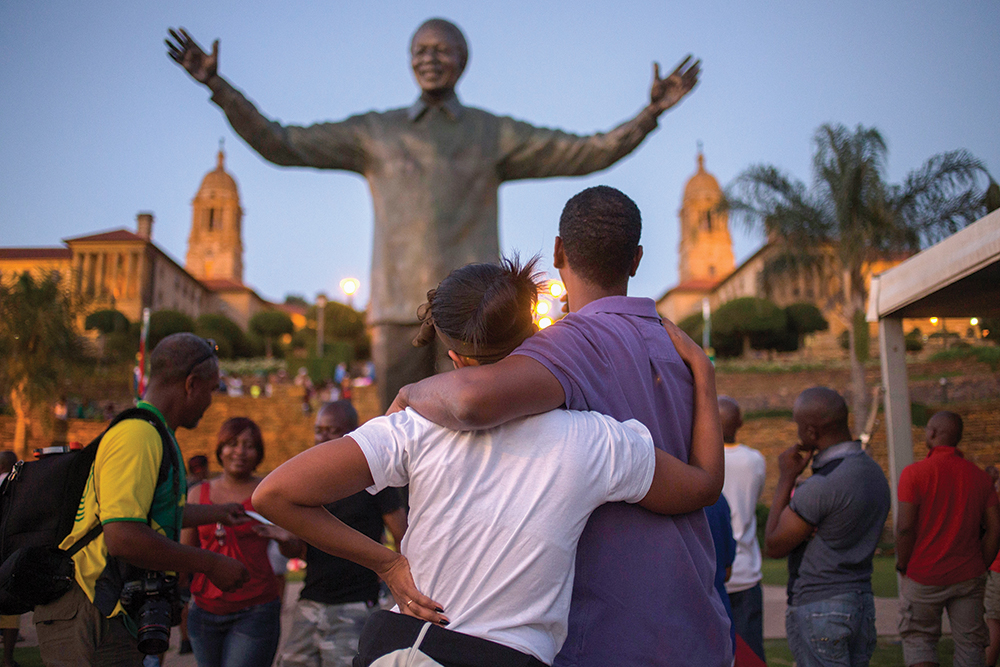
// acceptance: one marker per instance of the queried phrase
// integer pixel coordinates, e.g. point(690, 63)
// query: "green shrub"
point(107, 321)
point(233, 342)
point(920, 414)
point(755, 323)
point(914, 341)
point(163, 323)
point(805, 318)
point(269, 324)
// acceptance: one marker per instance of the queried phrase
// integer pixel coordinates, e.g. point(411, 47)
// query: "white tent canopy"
point(958, 277)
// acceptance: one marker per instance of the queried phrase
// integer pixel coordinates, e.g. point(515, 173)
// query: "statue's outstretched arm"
point(532, 152)
point(187, 53)
point(324, 145)
point(668, 91)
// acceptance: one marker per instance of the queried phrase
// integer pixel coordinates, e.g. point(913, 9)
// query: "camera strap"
point(85, 540)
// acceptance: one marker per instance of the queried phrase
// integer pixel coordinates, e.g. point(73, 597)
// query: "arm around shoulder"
point(481, 397)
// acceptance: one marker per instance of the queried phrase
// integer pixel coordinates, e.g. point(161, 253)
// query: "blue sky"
point(98, 124)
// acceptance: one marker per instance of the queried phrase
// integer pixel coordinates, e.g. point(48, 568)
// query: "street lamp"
point(320, 322)
point(350, 286)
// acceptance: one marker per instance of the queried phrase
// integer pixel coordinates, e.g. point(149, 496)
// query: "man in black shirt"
point(339, 595)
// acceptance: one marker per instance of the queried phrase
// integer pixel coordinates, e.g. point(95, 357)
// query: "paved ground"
point(886, 611)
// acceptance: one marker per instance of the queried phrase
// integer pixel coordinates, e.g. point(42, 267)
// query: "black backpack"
point(39, 501)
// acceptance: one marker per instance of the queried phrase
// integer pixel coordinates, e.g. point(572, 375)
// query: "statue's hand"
point(186, 53)
point(669, 91)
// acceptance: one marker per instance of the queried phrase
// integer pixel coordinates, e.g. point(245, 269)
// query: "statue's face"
point(436, 60)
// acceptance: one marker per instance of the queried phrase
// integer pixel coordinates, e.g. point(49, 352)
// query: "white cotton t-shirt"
point(495, 516)
point(744, 481)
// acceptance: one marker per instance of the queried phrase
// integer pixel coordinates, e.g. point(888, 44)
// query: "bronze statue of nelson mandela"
point(433, 169)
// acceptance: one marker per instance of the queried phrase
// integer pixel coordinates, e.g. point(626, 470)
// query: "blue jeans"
point(837, 631)
point(247, 638)
point(748, 617)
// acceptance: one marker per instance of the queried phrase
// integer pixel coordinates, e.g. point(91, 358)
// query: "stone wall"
point(286, 430)
point(980, 444)
point(973, 392)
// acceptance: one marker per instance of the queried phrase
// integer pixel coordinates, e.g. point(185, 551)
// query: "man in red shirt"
point(947, 534)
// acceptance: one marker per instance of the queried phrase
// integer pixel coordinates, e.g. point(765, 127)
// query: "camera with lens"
point(153, 603)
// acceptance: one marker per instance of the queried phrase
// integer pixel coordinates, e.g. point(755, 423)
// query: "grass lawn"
point(887, 653)
point(884, 583)
point(28, 656)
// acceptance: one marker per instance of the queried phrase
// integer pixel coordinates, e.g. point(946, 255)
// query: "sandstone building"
point(125, 270)
point(707, 270)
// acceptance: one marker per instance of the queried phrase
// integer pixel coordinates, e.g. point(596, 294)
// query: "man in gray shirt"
point(433, 169)
point(829, 530)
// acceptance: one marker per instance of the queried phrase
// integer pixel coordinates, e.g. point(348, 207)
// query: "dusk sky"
point(98, 124)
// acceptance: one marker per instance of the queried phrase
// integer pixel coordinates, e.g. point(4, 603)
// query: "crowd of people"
point(575, 496)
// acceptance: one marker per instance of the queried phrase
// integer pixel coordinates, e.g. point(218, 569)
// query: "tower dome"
point(702, 184)
point(218, 181)
point(706, 249)
point(215, 245)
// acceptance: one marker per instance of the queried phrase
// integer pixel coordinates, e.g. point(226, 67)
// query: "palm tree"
point(853, 209)
point(37, 339)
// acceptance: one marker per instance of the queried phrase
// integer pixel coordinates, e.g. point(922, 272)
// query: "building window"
point(711, 270)
point(211, 219)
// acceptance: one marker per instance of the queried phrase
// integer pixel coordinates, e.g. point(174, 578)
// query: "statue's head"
point(438, 54)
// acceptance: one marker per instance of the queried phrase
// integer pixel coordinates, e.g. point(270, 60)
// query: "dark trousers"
point(388, 631)
point(748, 617)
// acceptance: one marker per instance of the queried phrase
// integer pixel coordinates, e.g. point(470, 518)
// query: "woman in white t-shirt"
point(495, 515)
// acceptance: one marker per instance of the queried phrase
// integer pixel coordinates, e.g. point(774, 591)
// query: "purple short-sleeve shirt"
point(643, 593)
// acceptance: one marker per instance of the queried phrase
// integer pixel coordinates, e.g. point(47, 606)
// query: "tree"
point(271, 323)
point(852, 207)
point(163, 323)
point(805, 318)
point(296, 300)
point(119, 339)
point(232, 341)
point(752, 321)
point(342, 324)
point(37, 341)
point(107, 321)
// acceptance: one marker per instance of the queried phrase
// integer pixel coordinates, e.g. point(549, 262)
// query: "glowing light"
point(556, 288)
point(349, 285)
point(934, 320)
point(974, 321)
point(544, 322)
point(542, 307)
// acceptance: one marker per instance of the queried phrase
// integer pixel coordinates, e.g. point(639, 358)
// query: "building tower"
point(215, 246)
point(706, 250)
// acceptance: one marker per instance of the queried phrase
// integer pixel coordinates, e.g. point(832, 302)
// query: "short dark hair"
point(342, 410)
point(197, 463)
point(179, 355)
point(953, 424)
point(488, 308)
point(451, 30)
point(600, 229)
point(231, 428)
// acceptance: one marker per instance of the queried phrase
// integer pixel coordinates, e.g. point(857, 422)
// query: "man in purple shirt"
point(643, 593)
